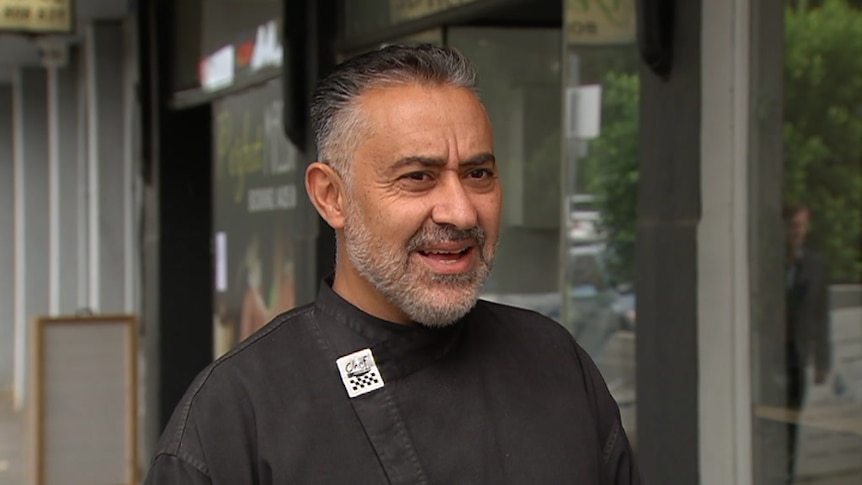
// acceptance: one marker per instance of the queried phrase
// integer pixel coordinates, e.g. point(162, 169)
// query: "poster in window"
point(257, 232)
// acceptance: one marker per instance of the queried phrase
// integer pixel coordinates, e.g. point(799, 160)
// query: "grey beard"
point(399, 286)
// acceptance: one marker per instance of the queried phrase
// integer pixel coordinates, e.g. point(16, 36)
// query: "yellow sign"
point(404, 10)
point(37, 16)
point(600, 21)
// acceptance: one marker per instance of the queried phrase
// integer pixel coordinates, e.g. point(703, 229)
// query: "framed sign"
point(85, 397)
point(37, 16)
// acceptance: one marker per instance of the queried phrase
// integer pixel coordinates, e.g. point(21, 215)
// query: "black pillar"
point(666, 254)
point(177, 229)
point(321, 57)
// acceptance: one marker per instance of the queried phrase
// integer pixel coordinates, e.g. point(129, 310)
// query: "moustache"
point(436, 234)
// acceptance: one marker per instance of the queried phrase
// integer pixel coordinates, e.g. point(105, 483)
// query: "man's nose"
point(453, 204)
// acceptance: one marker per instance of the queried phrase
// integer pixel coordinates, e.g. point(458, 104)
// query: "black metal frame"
point(655, 20)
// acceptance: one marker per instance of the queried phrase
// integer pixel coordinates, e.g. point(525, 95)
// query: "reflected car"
point(584, 217)
point(596, 308)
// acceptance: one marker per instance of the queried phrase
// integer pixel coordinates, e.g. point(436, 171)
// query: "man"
point(807, 314)
point(396, 374)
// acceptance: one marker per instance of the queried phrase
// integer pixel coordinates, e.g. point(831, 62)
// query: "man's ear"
point(326, 191)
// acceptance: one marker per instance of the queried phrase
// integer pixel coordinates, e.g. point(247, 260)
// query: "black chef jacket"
point(505, 396)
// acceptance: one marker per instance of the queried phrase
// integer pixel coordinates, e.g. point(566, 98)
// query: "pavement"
point(12, 461)
point(830, 439)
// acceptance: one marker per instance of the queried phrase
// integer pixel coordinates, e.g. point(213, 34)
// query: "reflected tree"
point(611, 171)
point(823, 128)
point(822, 135)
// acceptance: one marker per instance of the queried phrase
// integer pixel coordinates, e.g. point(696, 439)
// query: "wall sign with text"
point(247, 55)
point(600, 22)
point(258, 182)
point(37, 16)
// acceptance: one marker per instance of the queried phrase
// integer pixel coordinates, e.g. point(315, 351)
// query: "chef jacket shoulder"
point(218, 398)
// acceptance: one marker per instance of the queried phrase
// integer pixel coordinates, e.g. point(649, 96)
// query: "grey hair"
point(335, 118)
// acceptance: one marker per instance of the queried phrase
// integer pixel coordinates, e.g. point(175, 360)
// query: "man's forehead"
point(420, 124)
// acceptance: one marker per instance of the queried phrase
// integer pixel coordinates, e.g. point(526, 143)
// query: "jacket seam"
point(242, 346)
point(611, 442)
point(189, 460)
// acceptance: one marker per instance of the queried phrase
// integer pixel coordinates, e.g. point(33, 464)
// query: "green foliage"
point(611, 170)
point(822, 136)
point(823, 128)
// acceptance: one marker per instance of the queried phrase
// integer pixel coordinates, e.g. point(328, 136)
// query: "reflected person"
point(807, 313)
point(397, 373)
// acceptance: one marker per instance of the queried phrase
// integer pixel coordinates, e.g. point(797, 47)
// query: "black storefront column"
point(668, 215)
point(177, 261)
point(320, 57)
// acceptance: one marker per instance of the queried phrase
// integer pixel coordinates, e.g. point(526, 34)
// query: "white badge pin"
point(359, 373)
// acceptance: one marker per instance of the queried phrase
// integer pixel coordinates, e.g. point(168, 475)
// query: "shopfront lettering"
point(51, 14)
point(613, 11)
point(285, 197)
point(240, 150)
point(600, 21)
point(267, 48)
point(403, 10)
point(584, 28)
point(34, 16)
point(16, 13)
point(279, 155)
point(262, 199)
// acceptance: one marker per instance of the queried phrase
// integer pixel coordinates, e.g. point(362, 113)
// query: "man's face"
point(797, 229)
point(423, 210)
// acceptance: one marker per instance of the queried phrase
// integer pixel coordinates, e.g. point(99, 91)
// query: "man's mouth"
point(446, 256)
point(445, 250)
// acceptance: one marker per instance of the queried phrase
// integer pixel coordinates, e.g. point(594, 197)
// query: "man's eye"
point(481, 173)
point(419, 176)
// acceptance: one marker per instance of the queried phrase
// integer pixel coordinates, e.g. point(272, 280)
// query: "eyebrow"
point(480, 159)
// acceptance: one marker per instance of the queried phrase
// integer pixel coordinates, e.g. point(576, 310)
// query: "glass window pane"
point(601, 176)
point(808, 398)
point(264, 232)
point(519, 81)
point(364, 16)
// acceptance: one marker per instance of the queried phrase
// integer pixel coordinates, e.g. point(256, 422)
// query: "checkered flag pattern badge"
point(359, 373)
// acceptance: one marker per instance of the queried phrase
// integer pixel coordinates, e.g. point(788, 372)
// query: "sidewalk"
point(11, 443)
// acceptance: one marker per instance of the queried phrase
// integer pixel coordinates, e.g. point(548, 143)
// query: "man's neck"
point(359, 292)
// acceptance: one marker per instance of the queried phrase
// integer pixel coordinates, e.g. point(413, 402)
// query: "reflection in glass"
point(808, 407)
point(600, 176)
point(519, 82)
point(367, 16)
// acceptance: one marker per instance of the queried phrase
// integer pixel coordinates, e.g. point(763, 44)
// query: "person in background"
point(398, 373)
point(807, 315)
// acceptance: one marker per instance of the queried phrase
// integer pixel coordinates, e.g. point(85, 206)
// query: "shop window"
point(265, 230)
point(808, 346)
point(519, 81)
point(367, 16)
point(600, 180)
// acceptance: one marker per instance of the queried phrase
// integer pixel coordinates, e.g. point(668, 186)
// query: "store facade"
point(642, 148)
